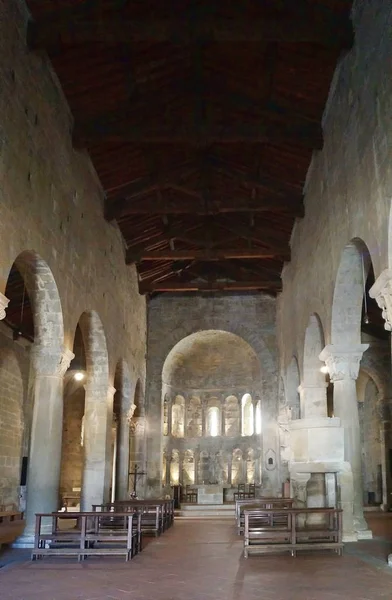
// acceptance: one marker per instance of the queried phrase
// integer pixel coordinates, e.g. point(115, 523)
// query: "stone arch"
point(98, 413)
point(11, 426)
point(348, 293)
point(48, 363)
point(313, 389)
point(291, 388)
point(43, 294)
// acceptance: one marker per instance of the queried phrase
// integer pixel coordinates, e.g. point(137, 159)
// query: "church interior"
point(195, 299)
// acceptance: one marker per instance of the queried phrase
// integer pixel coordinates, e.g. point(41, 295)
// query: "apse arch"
point(204, 352)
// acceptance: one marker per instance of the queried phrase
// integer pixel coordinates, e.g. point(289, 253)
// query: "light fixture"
point(79, 376)
point(324, 369)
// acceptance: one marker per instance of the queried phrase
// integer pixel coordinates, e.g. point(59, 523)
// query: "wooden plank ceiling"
point(200, 117)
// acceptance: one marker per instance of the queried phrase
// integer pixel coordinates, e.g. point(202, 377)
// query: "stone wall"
point(13, 413)
point(349, 183)
point(252, 318)
point(52, 202)
point(52, 219)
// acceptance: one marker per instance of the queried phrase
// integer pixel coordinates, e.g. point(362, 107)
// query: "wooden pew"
point(89, 536)
point(154, 517)
point(258, 503)
point(12, 524)
point(277, 530)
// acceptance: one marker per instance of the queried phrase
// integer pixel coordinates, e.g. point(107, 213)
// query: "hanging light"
point(366, 319)
point(324, 369)
point(79, 376)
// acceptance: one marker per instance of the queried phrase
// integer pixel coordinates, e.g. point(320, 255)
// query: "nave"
point(202, 559)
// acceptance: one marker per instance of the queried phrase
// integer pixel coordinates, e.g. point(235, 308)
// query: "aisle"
point(198, 560)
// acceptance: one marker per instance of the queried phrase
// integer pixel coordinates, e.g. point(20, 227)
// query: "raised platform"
point(206, 511)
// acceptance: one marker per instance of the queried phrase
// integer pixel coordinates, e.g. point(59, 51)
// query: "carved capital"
point(381, 291)
point(130, 413)
point(343, 361)
point(65, 360)
point(3, 305)
point(51, 361)
point(111, 392)
point(137, 426)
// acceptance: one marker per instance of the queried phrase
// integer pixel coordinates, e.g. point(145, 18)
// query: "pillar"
point(343, 366)
point(386, 446)
point(381, 291)
point(168, 468)
point(47, 371)
point(229, 469)
point(196, 457)
point(222, 415)
point(97, 429)
point(169, 415)
point(313, 398)
point(122, 467)
point(203, 417)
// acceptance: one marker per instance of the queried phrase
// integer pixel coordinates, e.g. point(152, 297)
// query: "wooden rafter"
point(173, 285)
point(78, 26)
point(202, 255)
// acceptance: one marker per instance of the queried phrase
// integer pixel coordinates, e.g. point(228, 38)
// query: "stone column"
point(47, 371)
point(386, 445)
point(122, 466)
point(313, 400)
point(3, 305)
point(97, 427)
point(196, 463)
point(169, 416)
point(222, 414)
point(168, 468)
point(229, 468)
point(343, 366)
point(203, 417)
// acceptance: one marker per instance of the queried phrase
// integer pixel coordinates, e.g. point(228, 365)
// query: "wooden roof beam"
point(74, 27)
point(171, 285)
point(292, 206)
point(133, 256)
point(297, 131)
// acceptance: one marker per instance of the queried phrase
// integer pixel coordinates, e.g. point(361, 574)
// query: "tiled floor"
point(202, 560)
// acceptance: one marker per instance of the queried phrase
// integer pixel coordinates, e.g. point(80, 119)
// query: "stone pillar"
point(122, 466)
point(168, 468)
point(313, 400)
point(386, 446)
point(196, 463)
point(97, 428)
point(343, 366)
point(169, 416)
point(229, 469)
point(47, 371)
point(222, 414)
point(3, 305)
point(203, 417)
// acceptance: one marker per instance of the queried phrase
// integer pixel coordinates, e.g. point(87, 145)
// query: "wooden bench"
point(258, 503)
point(156, 515)
point(277, 530)
point(12, 524)
point(90, 533)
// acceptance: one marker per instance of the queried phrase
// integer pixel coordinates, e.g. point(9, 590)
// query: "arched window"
point(247, 415)
point(232, 416)
point(213, 421)
point(258, 418)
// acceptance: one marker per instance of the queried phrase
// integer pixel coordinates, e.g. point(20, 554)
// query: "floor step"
point(203, 511)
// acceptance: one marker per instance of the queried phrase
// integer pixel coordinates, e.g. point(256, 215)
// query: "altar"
point(210, 494)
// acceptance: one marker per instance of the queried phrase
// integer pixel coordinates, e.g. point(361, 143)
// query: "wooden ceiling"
point(200, 117)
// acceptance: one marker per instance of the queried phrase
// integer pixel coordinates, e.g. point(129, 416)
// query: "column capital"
point(343, 361)
point(51, 361)
point(111, 392)
point(3, 305)
point(381, 291)
point(130, 412)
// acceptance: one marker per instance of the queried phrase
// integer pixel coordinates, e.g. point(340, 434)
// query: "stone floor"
point(202, 560)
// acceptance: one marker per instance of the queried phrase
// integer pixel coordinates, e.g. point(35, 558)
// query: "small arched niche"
point(232, 416)
point(213, 421)
point(236, 467)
